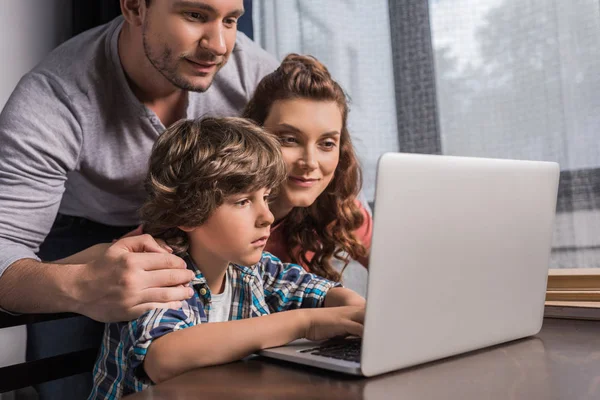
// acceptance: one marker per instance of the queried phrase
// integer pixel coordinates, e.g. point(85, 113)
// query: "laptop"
point(458, 262)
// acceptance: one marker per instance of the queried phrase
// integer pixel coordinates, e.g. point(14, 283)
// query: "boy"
point(208, 188)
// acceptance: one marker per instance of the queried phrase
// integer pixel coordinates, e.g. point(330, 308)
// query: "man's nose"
point(214, 39)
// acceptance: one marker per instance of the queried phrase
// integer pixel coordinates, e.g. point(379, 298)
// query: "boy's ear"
point(187, 229)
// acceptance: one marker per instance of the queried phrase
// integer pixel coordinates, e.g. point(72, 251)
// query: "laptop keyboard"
point(345, 349)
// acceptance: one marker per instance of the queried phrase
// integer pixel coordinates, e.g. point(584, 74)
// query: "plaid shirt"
point(267, 287)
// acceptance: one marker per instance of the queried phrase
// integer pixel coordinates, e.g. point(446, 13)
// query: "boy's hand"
point(329, 322)
point(132, 276)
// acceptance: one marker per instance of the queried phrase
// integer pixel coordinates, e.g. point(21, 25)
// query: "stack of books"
point(573, 293)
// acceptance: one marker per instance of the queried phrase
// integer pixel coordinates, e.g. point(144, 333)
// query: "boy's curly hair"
point(196, 164)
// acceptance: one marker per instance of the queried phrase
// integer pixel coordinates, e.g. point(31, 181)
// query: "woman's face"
point(309, 133)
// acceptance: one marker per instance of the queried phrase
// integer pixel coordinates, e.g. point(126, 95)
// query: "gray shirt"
point(74, 139)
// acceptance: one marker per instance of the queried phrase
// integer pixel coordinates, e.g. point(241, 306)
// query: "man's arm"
point(40, 138)
point(222, 342)
point(131, 277)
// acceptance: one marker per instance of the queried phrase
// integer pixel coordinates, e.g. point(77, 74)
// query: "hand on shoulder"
point(129, 277)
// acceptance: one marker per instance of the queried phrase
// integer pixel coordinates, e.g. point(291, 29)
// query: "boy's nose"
point(266, 217)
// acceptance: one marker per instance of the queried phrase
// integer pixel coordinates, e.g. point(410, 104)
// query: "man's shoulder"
point(78, 61)
point(251, 59)
point(251, 48)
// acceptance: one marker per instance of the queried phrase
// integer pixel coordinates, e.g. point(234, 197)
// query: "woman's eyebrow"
point(296, 130)
point(289, 127)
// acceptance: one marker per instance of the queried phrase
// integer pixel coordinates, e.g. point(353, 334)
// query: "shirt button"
point(203, 292)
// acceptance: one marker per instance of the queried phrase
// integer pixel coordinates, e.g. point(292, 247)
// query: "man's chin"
point(194, 84)
point(200, 88)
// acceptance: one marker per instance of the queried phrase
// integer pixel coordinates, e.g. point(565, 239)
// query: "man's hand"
point(136, 232)
point(134, 275)
point(329, 322)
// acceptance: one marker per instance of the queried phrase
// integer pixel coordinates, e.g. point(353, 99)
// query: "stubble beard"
point(167, 67)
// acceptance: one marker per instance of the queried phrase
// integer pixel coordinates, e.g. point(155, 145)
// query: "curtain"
point(519, 79)
point(90, 13)
point(353, 41)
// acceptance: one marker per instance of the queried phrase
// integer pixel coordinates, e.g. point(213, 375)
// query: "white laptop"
point(459, 261)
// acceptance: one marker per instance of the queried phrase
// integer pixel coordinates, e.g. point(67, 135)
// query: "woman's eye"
point(287, 140)
point(329, 145)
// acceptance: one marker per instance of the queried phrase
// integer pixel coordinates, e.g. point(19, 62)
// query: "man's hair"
point(196, 164)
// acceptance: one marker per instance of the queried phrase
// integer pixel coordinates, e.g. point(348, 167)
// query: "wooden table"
point(561, 362)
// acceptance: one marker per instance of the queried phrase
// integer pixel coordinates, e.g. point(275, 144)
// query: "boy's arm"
point(340, 296)
point(289, 286)
point(222, 342)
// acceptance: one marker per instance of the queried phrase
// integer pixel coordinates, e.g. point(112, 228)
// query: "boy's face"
point(237, 231)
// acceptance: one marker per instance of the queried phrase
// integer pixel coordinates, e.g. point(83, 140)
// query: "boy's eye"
point(242, 202)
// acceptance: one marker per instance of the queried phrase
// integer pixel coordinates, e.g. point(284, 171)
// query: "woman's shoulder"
point(365, 230)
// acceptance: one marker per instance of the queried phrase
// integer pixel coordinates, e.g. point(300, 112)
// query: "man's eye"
point(195, 16)
point(230, 21)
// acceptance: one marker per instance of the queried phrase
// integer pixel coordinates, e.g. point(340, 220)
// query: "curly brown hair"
point(196, 164)
point(327, 227)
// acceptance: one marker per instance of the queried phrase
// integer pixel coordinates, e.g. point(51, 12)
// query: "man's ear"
point(134, 11)
point(187, 229)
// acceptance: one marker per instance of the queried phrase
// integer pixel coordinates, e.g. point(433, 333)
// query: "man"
point(76, 134)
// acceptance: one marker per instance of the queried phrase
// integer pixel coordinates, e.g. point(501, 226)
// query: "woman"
point(317, 214)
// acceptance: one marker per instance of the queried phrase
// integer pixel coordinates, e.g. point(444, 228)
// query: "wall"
point(29, 29)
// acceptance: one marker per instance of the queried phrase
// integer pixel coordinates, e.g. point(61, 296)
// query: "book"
point(574, 279)
point(573, 295)
point(572, 310)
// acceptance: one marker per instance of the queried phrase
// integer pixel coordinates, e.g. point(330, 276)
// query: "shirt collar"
point(199, 277)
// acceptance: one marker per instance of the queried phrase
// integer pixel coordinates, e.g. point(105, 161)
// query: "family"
point(166, 178)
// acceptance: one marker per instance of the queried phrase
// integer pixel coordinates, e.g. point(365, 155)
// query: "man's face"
point(188, 41)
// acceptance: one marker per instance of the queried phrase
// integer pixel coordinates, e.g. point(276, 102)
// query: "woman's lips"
point(302, 182)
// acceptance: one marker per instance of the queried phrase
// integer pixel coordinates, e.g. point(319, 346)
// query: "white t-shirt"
point(221, 303)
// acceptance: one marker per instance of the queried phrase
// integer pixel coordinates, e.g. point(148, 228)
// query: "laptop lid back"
point(459, 256)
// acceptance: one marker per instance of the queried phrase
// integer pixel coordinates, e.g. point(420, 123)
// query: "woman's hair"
point(196, 164)
point(327, 226)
